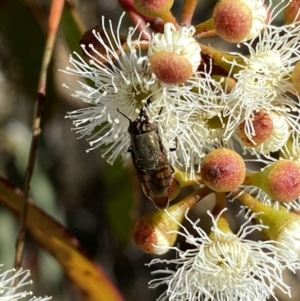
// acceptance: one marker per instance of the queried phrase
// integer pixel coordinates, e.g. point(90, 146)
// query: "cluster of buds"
point(191, 114)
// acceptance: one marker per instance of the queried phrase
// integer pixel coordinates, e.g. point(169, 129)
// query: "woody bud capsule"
point(280, 180)
point(223, 170)
point(153, 8)
point(233, 20)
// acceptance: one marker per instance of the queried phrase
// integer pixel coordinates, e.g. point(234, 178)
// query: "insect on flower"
point(150, 159)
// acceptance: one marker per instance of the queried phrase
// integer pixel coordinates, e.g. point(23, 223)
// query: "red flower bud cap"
point(174, 56)
point(153, 8)
point(170, 68)
point(283, 181)
point(261, 129)
point(233, 20)
point(223, 170)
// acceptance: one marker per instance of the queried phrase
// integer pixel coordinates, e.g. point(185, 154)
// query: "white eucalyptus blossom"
point(12, 285)
point(122, 81)
point(276, 141)
point(179, 42)
point(288, 241)
point(264, 79)
point(259, 17)
point(198, 130)
point(291, 150)
point(195, 113)
point(227, 267)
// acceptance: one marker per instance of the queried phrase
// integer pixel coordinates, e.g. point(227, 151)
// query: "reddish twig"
point(74, 12)
point(188, 12)
point(136, 18)
point(53, 22)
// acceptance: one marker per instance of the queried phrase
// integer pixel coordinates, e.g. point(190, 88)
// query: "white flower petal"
point(12, 281)
point(227, 267)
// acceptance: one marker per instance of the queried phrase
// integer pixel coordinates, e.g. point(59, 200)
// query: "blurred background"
point(97, 202)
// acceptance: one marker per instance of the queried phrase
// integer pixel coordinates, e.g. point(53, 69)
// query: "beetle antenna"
point(124, 115)
point(148, 102)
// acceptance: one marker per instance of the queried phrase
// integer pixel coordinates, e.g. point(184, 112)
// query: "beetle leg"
point(172, 149)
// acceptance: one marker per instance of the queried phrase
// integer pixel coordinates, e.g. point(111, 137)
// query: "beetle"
point(150, 159)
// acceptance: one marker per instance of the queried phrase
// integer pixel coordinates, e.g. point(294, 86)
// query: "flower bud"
point(233, 20)
point(170, 68)
point(291, 12)
point(280, 180)
point(153, 8)
point(186, 179)
point(296, 77)
point(262, 127)
point(174, 55)
point(223, 170)
point(155, 232)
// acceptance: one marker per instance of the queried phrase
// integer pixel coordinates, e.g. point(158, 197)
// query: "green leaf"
point(120, 204)
point(25, 40)
point(88, 277)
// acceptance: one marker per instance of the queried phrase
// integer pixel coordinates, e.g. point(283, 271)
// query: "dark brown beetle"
point(150, 159)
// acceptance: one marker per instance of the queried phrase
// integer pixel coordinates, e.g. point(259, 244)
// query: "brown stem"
point(220, 203)
point(195, 197)
point(219, 56)
point(53, 22)
point(188, 12)
point(76, 16)
point(141, 24)
point(248, 180)
point(206, 34)
point(205, 29)
point(169, 18)
point(136, 18)
point(247, 199)
point(193, 181)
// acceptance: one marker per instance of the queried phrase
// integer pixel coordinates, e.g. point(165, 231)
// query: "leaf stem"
point(53, 22)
